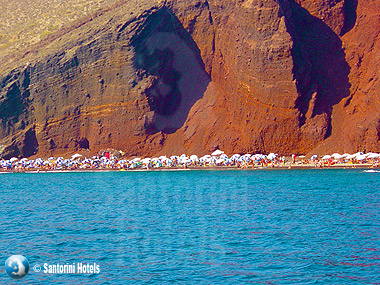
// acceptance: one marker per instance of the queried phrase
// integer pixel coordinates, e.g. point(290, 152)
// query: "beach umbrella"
point(217, 152)
point(202, 159)
point(373, 155)
point(146, 160)
point(336, 156)
point(245, 157)
point(59, 159)
point(361, 157)
point(258, 156)
point(235, 156)
point(314, 157)
point(326, 157)
point(224, 156)
point(13, 159)
point(77, 155)
point(184, 160)
point(194, 157)
point(272, 156)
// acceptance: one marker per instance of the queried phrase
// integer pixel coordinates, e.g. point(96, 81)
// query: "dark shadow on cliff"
point(169, 57)
point(350, 15)
point(320, 68)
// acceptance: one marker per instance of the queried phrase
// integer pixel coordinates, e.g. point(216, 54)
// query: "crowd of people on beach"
point(216, 159)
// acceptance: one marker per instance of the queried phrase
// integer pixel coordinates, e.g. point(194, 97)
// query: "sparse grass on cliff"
point(24, 23)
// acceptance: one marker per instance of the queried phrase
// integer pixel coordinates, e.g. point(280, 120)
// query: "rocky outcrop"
point(192, 76)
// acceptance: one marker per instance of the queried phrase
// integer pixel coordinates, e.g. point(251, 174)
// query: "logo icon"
point(17, 266)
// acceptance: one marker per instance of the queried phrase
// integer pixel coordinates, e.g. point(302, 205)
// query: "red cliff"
point(192, 76)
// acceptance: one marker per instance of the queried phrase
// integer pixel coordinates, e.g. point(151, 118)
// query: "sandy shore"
point(206, 168)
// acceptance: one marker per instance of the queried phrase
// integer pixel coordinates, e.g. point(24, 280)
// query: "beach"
point(218, 160)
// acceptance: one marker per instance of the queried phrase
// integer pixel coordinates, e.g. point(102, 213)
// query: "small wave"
point(372, 171)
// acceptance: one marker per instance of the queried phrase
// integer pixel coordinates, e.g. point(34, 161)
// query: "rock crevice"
point(290, 76)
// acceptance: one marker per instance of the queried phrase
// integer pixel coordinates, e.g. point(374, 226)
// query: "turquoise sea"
point(195, 227)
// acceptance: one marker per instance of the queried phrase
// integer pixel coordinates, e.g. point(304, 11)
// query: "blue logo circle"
point(17, 266)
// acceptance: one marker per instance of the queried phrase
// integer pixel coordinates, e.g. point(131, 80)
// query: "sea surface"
point(195, 227)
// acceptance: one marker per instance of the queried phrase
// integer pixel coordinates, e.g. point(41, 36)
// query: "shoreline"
point(365, 166)
point(218, 160)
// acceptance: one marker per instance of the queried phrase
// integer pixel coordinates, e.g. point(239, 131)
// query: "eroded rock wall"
point(192, 76)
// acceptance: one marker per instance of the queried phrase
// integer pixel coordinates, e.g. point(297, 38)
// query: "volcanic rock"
point(164, 77)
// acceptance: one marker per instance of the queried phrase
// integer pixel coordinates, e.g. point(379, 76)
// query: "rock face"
point(191, 76)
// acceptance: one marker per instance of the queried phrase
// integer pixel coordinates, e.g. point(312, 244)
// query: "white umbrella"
point(146, 160)
point(361, 157)
point(326, 157)
point(336, 156)
point(235, 156)
point(368, 154)
point(258, 156)
point(194, 157)
point(77, 155)
point(224, 156)
point(217, 152)
point(272, 156)
point(13, 159)
point(184, 160)
point(373, 155)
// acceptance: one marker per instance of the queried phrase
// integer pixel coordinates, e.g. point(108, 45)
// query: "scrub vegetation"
point(24, 23)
